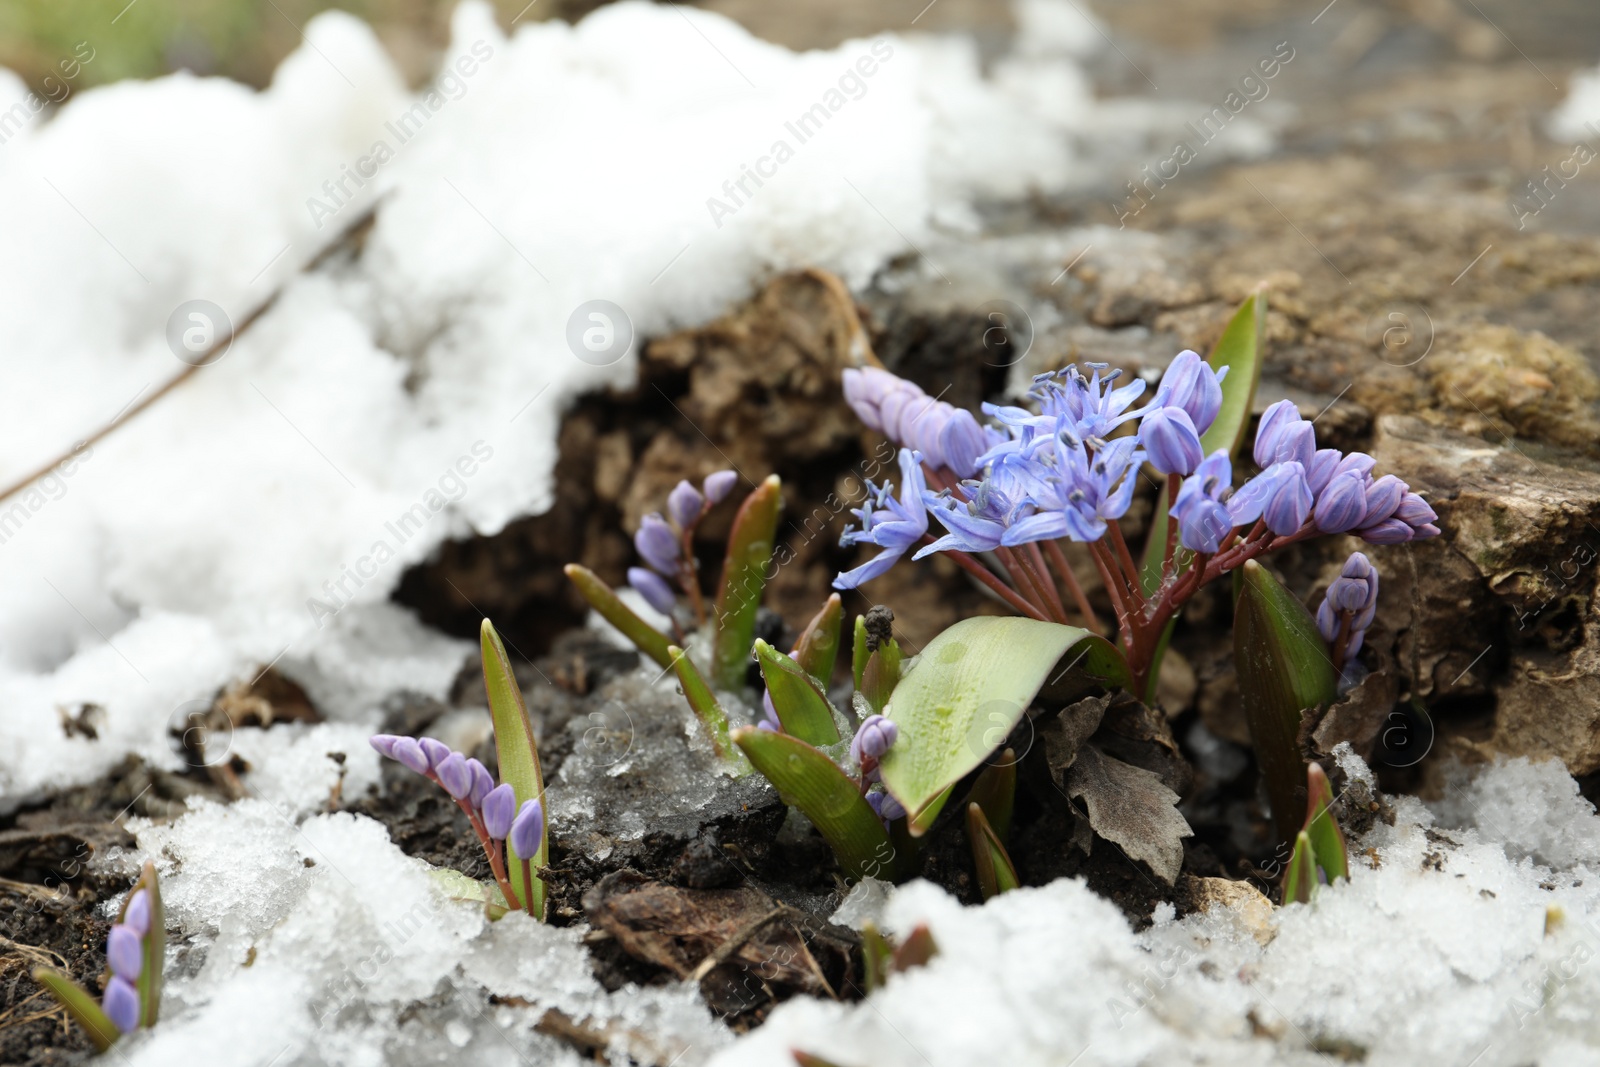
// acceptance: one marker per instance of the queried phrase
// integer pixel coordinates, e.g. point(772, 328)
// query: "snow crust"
point(1448, 945)
point(264, 511)
point(1578, 116)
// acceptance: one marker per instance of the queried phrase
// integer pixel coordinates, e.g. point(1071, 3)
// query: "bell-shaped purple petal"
point(527, 829)
point(1342, 505)
point(1170, 442)
point(654, 588)
point(482, 782)
point(1383, 499)
point(121, 1004)
point(1356, 463)
point(657, 544)
point(125, 952)
point(684, 504)
point(436, 751)
point(384, 744)
point(719, 484)
point(875, 736)
point(962, 441)
point(410, 753)
point(895, 525)
point(499, 809)
point(136, 916)
point(1388, 532)
point(891, 405)
point(454, 774)
point(1328, 621)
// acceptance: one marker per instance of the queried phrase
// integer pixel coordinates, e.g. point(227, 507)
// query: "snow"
point(1446, 946)
point(1577, 116)
point(257, 514)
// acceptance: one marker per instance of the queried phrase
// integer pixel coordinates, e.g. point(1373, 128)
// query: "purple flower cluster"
point(1057, 472)
point(660, 543)
point(125, 957)
point(1349, 607)
point(492, 808)
point(948, 438)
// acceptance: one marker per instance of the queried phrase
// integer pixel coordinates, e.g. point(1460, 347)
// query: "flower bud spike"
point(384, 744)
point(875, 737)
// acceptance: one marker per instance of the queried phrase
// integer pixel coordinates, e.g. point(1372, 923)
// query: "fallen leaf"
point(1129, 807)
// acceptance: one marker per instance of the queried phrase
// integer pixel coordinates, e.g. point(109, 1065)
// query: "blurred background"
point(245, 39)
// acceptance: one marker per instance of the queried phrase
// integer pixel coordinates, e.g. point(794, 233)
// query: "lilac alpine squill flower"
point(1342, 504)
point(654, 588)
point(482, 783)
point(455, 775)
point(1170, 442)
point(1278, 494)
point(885, 807)
point(136, 916)
point(121, 1004)
point(527, 829)
point(719, 484)
point(410, 753)
point(657, 543)
point(1092, 406)
point(436, 751)
point(1349, 607)
point(1085, 492)
point(499, 808)
point(1201, 507)
point(875, 736)
point(125, 952)
point(1282, 435)
point(894, 525)
point(1190, 383)
point(684, 504)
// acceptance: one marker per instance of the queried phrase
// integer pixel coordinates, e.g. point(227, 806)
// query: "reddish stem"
point(1006, 593)
point(1173, 482)
point(1064, 569)
point(527, 881)
point(1041, 575)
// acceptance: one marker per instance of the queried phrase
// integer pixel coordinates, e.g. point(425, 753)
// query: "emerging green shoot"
point(818, 647)
point(797, 696)
point(993, 866)
point(519, 767)
point(1300, 879)
point(601, 597)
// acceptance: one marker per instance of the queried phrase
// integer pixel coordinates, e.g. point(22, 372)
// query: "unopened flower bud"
point(654, 588)
point(657, 544)
point(527, 829)
point(499, 809)
point(684, 504)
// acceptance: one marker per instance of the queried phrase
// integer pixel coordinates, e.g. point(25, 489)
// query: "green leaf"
point(1283, 668)
point(807, 779)
point(646, 638)
point(818, 647)
point(744, 576)
point(919, 824)
point(1238, 349)
point(858, 659)
point(703, 701)
point(995, 792)
point(971, 686)
point(802, 707)
point(519, 756)
point(83, 1008)
point(1300, 879)
point(1333, 856)
point(995, 873)
point(155, 946)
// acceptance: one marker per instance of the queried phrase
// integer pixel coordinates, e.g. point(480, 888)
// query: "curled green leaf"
point(702, 700)
point(807, 779)
point(83, 1008)
point(990, 860)
point(1283, 667)
point(1300, 879)
point(518, 754)
point(602, 598)
point(744, 576)
point(818, 647)
point(1333, 856)
point(802, 707)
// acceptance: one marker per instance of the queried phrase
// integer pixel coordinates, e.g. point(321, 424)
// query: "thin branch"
point(217, 345)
